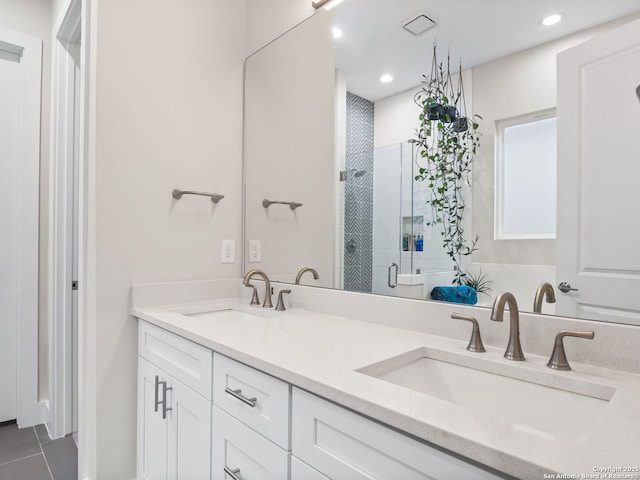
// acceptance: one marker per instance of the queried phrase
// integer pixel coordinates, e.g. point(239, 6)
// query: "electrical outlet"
point(255, 253)
point(228, 251)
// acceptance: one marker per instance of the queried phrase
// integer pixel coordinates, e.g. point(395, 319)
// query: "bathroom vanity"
point(319, 392)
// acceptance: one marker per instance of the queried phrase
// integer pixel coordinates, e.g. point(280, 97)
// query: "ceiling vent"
point(418, 24)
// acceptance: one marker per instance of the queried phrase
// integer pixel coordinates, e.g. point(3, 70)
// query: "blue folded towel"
point(455, 294)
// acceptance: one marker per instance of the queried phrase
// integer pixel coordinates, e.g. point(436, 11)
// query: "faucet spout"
point(514, 349)
point(305, 270)
point(545, 291)
point(267, 295)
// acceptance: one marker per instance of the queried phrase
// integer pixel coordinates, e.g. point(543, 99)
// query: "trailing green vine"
point(447, 141)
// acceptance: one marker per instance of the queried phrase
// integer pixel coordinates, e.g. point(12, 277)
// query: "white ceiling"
point(474, 31)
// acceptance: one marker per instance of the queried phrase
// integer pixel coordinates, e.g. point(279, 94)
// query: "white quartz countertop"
point(321, 353)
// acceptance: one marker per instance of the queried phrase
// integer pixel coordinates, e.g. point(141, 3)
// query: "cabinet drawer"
point(346, 446)
point(255, 398)
point(302, 471)
point(186, 361)
point(239, 449)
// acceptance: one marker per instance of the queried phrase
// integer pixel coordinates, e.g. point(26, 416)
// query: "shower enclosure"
point(388, 248)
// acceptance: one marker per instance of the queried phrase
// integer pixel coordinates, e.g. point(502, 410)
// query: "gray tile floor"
point(29, 454)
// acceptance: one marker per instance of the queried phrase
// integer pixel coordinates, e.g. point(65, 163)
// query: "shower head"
point(357, 173)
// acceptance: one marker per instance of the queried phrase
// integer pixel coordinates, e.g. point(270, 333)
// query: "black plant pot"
point(436, 112)
point(461, 124)
point(450, 114)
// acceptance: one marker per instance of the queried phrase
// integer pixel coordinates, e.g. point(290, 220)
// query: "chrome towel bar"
point(215, 197)
point(292, 205)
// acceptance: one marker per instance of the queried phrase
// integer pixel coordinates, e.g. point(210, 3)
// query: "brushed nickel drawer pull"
point(238, 394)
point(156, 402)
point(165, 389)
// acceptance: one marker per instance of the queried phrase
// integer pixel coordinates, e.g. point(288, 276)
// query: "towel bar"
point(292, 205)
point(215, 197)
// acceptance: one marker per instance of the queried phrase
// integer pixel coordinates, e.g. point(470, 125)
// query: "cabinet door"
point(241, 453)
point(153, 431)
point(302, 471)
point(189, 452)
point(346, 446)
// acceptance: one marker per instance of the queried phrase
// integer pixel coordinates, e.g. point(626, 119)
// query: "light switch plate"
point(228, 251)
point(255, 253)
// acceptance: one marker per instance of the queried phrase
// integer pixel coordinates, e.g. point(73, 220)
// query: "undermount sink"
point(545, 407)
point(228, 312)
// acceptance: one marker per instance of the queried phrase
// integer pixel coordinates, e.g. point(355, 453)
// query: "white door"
point(9, 151)
point(598, 175)
point(74, 51)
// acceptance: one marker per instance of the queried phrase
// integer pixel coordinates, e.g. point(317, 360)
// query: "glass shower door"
point(387, 235)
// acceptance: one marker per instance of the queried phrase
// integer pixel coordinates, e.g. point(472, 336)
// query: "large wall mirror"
point(330, 162)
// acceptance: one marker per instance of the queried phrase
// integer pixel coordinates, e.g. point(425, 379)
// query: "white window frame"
point(499, 176)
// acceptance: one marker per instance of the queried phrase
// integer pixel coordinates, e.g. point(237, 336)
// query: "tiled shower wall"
point(358, 216)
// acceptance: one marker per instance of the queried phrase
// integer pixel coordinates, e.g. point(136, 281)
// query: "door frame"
point(64, 144)
point(29, 48)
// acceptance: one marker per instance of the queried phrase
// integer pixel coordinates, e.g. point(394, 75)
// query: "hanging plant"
point(447, 139)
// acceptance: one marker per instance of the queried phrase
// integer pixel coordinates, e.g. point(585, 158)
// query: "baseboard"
point(43, 411)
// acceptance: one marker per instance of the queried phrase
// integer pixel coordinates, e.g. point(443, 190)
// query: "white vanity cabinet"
point(174, 421)
point(202, 415)
point(343, 445)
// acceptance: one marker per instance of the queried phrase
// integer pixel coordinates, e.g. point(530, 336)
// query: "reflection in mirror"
point(322, 130)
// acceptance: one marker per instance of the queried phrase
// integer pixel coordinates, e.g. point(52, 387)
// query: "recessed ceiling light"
point(337, 33)
point(551, 19)
point(386, 78)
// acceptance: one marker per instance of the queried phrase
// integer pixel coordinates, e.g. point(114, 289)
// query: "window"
point(525, 177)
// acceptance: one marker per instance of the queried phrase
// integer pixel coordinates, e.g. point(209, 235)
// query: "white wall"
point(284, 160)
point(33, 17)
point(267, 20)
point(396, 118)
point(168, 114)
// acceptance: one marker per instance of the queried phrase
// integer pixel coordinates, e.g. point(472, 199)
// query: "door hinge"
point(74, 285)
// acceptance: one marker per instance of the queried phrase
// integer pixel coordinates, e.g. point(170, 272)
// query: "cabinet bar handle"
point(165, 389)
point(234, 474)
point(238, 394)
point(156, 403)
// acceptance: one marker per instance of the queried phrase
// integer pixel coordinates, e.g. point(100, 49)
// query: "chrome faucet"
point(305, 270)
point(514, 350)
point(267, 294)
point(544, 291)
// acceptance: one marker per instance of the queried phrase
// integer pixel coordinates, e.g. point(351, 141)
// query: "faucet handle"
point(475, 343)
point(255, 300)
point(558, 359)
point(280, 305)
